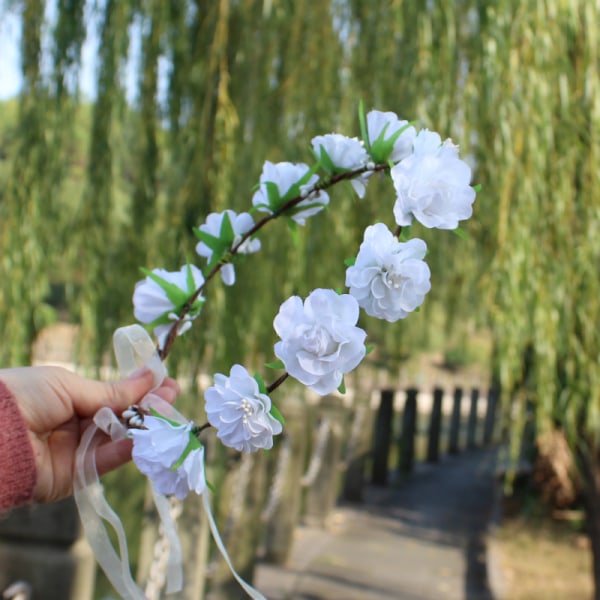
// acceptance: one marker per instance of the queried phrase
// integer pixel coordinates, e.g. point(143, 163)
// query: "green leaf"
point(381, 148)
point(262, 388)
point(226, 234)
point(294, 190)
point(211, 487)
point(193, 444)
point(298, 209)
point(174, 293)
point(276, 414)
point(214, 243)
point(189, 280)
point(477, 187)
point(350, 261)
point(294, 229)
point(461, 233)
point(364, 132)
point(275, 200)
point(326, 161)
point(342, 387)
point(405, 233)
point(369, 348)
point(156, 414)
point(277, 364)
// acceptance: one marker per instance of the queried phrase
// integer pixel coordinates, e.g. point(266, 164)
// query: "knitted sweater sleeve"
point(17, 463)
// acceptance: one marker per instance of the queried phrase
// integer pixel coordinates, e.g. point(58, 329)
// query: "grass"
point(543, 559)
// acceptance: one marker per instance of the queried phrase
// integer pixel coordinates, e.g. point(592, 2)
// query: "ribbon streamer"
point(133, 349)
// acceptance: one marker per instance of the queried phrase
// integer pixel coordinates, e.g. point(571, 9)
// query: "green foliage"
point(89, 193)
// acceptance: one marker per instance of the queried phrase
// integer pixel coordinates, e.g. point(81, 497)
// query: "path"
point(424, 540)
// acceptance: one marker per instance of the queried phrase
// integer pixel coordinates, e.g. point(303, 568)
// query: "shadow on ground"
point(423, 539)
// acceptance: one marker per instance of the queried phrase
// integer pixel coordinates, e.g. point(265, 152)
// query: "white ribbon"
point(133, 349)
point(252, 592)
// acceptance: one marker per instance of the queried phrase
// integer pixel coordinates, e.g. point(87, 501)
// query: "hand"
point(58, 406)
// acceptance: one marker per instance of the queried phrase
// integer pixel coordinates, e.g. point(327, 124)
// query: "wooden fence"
point(328, 452)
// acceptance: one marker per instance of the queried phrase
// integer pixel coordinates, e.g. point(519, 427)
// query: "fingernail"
point(139, 373)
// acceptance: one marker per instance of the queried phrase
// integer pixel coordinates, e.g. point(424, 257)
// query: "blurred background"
point(123, 123)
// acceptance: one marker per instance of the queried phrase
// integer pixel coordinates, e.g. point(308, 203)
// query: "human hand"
point(58, 405)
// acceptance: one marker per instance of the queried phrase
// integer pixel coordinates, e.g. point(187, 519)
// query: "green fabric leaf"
point(214, 243)
point(226, 235)
point(382, 148)
point(363, 126)
point(262, 388)
point(275, 200)
point(278, 364)
point(461, 233)
point(174, 293)
point(276, 414)
point(405, 233)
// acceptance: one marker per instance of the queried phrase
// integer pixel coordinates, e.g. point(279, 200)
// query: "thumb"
point(117, 395)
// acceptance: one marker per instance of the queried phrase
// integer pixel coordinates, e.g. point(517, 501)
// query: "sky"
point(10, 34)
point(10, 37)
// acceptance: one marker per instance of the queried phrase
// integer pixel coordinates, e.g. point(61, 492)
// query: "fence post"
point(41, 546)
point(490, 416)
point(359, 447)
point(282, 510)
point(472, 424)
point(453, 440)
point(435, 426)
point(382, 438)
point(322, 478)
point(407, 435)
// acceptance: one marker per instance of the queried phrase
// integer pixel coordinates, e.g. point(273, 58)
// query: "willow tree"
point(539, 147)
point(222, 86)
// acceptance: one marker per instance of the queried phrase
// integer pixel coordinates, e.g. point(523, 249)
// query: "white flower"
point(153, 304)
point(279, 183)
point(389, 278)
point(240, 412)
point(241, 224)
point(345, 154)
point(382, 126)
point(319, 338)
point(158, 451)
point(433, 185)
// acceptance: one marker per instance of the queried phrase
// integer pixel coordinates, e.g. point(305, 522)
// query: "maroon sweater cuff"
point(17, 462)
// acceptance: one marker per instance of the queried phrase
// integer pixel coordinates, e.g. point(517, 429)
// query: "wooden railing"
point(329, 451)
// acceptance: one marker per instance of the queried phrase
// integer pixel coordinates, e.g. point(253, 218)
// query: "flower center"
point(318, 341)
point(393, 279)
point(247, 410)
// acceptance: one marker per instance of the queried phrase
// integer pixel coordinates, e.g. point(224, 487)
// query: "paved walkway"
point(422, 540)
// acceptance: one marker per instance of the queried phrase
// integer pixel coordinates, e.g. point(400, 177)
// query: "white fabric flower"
point(346, 154)
point(319, 338)
point(384, 125)
point(240, 413)
point(241, 224)
point(152, 304)
point(433, 185)
point(158, 450)
point(282, 179)
point(389, 278)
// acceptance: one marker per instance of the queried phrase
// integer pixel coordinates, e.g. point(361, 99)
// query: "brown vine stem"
point(277, 382)
point(320, 186)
